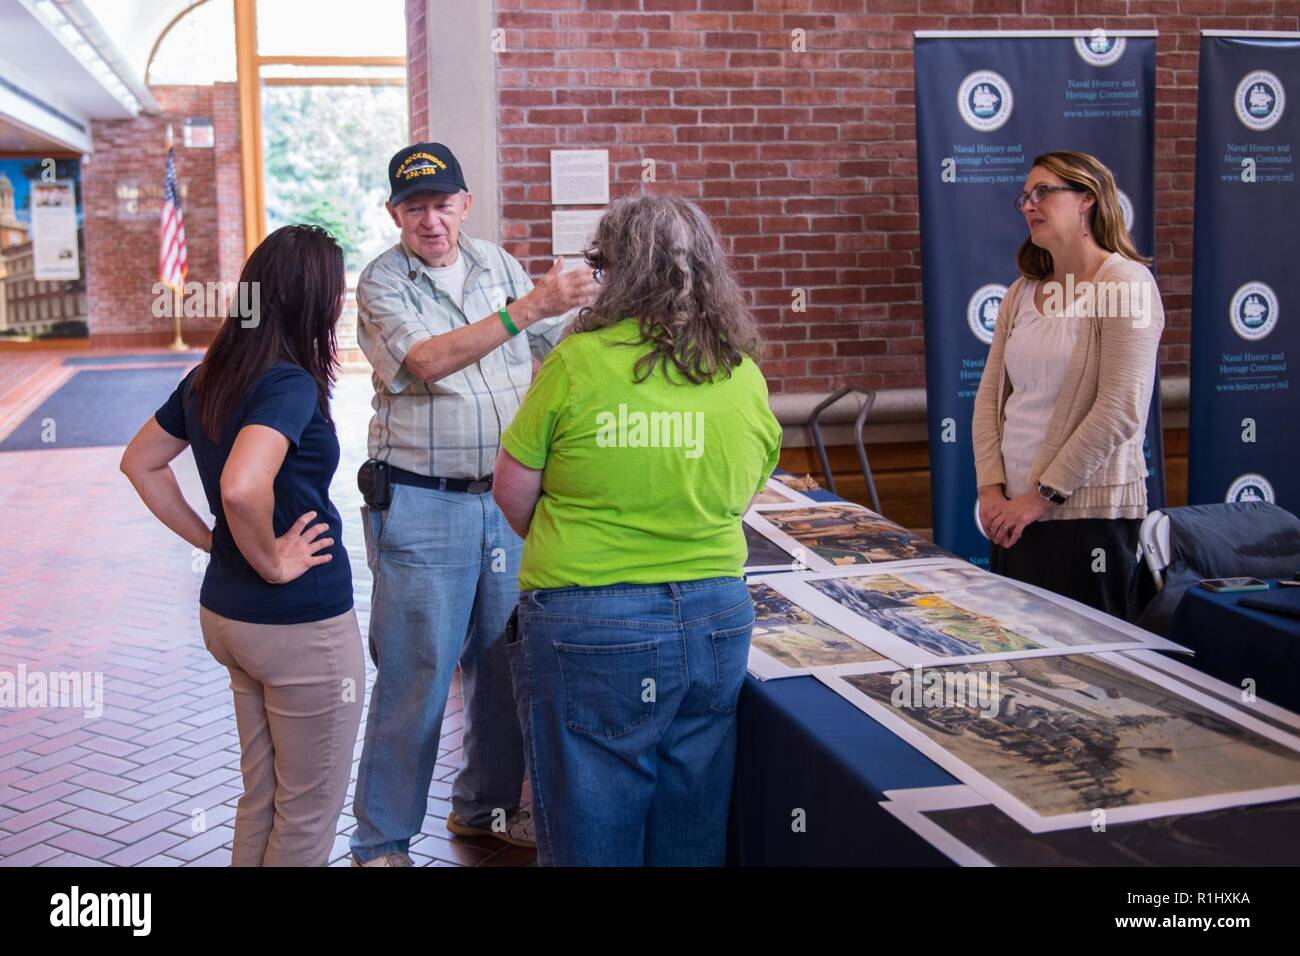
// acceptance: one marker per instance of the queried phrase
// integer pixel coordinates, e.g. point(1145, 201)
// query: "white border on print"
point(790, 495)
point(766, 667)
point(1262, 709)
point(1259, 123)
point(909, 807)
point(1083, 46)
point(1035, 822)
point(1199, 695)
point(797, 588)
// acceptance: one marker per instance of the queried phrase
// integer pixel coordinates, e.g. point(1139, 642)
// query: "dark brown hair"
point(664, 265)
point(1105, 221)
point(298, 282)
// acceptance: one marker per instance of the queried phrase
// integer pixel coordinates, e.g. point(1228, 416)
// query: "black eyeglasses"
point(1041, 192)
point(597, 262)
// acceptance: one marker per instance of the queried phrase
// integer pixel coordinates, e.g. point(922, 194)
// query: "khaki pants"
point(298, 693)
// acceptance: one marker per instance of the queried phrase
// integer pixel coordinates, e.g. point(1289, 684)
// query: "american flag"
point(173, 260)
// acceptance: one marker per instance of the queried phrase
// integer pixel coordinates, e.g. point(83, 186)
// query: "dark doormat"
point(95, 408)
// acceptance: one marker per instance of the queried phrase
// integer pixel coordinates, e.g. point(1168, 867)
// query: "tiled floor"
point(91, 582)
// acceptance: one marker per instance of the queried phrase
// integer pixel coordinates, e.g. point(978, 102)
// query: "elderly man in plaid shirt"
point(451, 326)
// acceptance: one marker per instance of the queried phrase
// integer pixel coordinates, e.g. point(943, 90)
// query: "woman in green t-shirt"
point(627, 469)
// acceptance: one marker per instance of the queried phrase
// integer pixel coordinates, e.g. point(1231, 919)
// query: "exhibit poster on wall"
point(42, 248)
point(54, 232)
point(1245, 286)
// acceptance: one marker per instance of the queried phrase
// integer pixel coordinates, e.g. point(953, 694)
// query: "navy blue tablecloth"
point(1234, 643)
point(802, 747)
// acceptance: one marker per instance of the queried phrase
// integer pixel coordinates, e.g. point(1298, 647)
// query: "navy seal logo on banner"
point(1126, 209)
point(1260, 100)
point(1100, 49)
point(982, 311)
point(1253, 311)
point(984, 100)
point(1250, 487)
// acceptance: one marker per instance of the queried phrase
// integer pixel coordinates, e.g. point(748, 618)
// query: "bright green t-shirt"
point(642, 483)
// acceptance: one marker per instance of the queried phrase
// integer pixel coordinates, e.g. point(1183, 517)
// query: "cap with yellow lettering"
point(424, 167)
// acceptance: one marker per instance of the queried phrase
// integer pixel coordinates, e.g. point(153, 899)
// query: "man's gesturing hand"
point(557, 292)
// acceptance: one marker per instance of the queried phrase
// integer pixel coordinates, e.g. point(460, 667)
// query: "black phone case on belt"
point(374, 481)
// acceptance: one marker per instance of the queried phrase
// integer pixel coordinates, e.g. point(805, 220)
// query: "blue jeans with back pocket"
point(627, 697)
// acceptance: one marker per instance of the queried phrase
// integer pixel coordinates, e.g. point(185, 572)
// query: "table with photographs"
point(811, 770)
point(1056, 734)
point(1234, 642)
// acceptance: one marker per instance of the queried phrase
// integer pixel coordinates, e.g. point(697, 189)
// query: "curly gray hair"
point(664, 265)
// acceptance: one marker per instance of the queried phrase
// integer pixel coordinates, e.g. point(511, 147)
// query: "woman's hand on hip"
point(1018, 514)
point(297, 549)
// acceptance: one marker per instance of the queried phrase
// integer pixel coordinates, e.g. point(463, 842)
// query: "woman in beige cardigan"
point(1061, 411)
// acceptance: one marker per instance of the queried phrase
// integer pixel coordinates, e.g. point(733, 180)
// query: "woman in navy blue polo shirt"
point(276, 601)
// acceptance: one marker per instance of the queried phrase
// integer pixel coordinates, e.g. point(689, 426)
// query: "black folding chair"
point(868, 400)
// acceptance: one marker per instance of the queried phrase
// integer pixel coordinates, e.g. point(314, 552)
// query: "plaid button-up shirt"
point(450, 428)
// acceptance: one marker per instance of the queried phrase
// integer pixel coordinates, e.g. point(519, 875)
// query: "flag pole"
point(178, 343)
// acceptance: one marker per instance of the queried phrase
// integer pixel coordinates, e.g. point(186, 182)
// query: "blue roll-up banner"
point(1245, 277)
point(986, 105)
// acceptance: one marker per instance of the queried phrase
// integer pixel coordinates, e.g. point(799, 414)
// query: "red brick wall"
point(122, 252)
point(417, 69)
point(807, 161)
point(229, 175)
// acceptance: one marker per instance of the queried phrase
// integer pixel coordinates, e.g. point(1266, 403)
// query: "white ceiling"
point(44, 67)
point(135, 25)
point(48, 96)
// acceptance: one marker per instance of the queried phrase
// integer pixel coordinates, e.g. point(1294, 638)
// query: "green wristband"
point(505, 320)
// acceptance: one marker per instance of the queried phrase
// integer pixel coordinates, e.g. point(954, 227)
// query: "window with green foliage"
point(327, 150)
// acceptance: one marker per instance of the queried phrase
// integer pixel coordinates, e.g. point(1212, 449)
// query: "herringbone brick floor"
point(91, 582)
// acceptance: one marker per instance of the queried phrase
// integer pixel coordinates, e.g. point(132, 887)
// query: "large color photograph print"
point(907, 608)
point(930, 612)
point(1074, 734)
point(789, 641)
point(839, 534)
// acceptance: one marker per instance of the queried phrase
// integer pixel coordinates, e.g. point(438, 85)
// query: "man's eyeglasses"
point(1041, 192)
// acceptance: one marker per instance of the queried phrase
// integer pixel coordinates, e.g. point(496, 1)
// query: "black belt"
point(402, 477)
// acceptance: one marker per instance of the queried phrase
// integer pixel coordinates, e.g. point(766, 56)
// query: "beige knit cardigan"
point(1093, 447)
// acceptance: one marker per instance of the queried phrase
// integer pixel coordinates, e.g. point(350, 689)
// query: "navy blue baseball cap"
point(423, 167)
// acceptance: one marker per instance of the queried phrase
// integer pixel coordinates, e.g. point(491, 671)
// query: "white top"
point(1037, 355)
point(451, 280)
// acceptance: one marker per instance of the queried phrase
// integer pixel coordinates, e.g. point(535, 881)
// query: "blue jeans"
point(446, 579)
point(627, 696)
